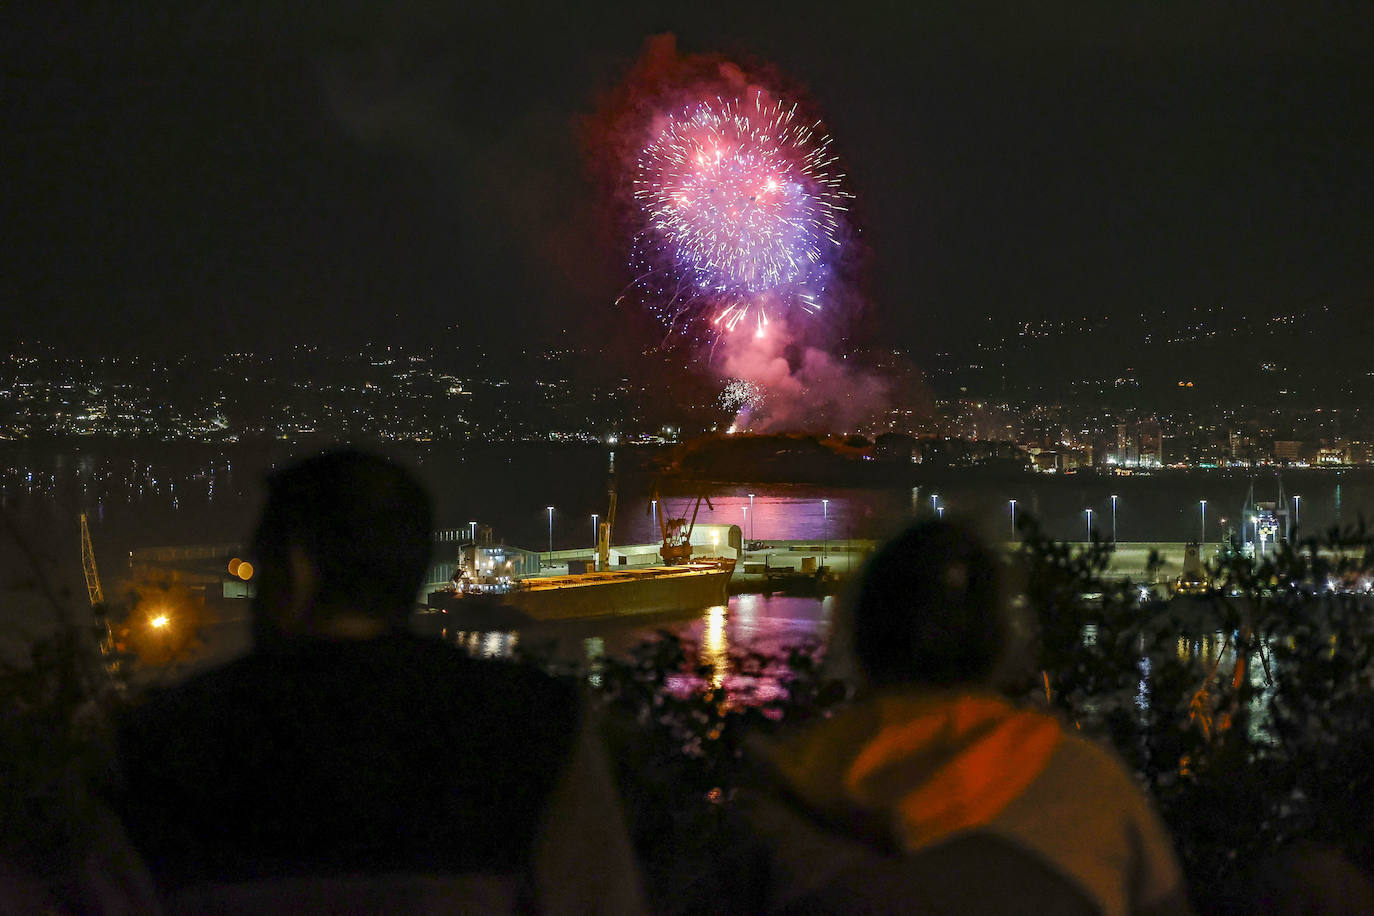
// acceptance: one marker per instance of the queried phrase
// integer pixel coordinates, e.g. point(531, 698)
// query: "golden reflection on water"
point(715, 649)
point(488, 644)
point(1207, 649)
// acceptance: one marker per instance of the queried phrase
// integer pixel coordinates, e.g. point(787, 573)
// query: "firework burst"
point(742, 207)
point(741, 395)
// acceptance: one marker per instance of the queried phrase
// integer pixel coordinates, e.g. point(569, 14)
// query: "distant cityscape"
point(999, 403)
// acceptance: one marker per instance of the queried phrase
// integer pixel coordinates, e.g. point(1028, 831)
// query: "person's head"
point(930, 609)
point(344, 536)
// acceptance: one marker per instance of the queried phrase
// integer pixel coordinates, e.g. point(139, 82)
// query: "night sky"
point(257, 174)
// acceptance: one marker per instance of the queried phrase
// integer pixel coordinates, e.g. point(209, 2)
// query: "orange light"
point(234, 566)
point(245, 571)
point(159, 621)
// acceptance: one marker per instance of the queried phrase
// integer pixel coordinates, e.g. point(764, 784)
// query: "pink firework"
point(742, 213)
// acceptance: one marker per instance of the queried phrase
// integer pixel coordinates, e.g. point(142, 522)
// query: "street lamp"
point(1113, 519)
point(472, 527)
point(1203, 540)
point(550, 535)
point(1296, 518)
point(1012, 503)
point(1090, 524)
point(744, 510)
point(751, 516)
point(825, 529)
point(653, 507)
point(935, 502)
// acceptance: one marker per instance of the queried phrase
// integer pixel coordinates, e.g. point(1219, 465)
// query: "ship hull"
point(596, 595)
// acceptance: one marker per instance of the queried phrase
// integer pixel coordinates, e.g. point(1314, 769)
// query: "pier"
point(777, 565)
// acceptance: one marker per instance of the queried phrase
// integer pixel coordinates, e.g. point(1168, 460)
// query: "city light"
point(1113, 518)
point(1012, 503)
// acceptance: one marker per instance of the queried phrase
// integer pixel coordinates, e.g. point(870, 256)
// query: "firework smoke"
point(804, 389)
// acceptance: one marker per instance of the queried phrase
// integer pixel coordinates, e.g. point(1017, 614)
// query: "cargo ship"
point(644, 590)
point(692, 575)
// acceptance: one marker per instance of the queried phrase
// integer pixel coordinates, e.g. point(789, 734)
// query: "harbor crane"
point(677, 532)
point(93, 589)
point(603, 532)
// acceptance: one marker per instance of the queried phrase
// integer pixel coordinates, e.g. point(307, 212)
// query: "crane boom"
point(93, 589)
point(603, 534)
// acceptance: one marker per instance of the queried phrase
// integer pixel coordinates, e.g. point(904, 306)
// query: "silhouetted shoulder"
point(317, 757)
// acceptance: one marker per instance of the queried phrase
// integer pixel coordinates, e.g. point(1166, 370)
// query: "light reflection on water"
point(749, 623)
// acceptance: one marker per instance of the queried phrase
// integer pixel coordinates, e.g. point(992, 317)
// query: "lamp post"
point(1113, 519)
point(825, 529)
point(1090, 523)
point(744, 510)
point(1296, 517)
point(550, 535)
point(751, 516)
point(1203, 539)
point(472, 527)
point(653, 507)
point(1012, 503)
point(935, 503)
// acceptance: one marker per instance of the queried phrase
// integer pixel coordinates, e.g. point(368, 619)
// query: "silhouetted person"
point(345, 764)
point(932, 794)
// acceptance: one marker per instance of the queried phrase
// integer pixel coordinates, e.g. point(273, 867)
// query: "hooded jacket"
point(911, 774)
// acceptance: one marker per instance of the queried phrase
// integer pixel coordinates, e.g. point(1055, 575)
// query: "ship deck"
point(578, 580)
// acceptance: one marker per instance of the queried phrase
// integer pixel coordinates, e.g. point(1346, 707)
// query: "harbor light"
point(825, 531)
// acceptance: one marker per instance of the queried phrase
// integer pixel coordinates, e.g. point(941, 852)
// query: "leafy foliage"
point(678, 736)
point(1243, 710)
